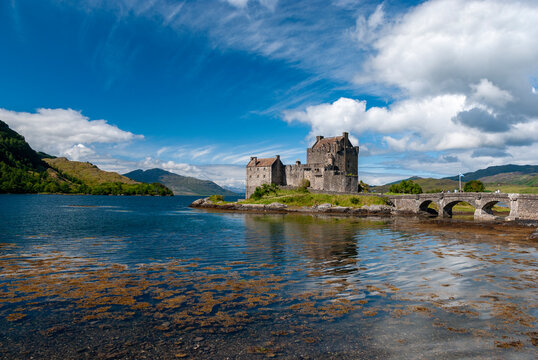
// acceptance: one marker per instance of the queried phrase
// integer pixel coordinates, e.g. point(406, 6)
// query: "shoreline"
point(383, 211)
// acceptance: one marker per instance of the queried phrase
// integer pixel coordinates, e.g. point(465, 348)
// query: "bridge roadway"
point(522, 206)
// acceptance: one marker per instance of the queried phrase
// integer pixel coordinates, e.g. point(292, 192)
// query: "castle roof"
point(254, 162)
point(327, 141)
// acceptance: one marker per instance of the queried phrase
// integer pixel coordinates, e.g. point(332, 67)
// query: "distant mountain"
point(496, 170)
point(23, 170)
point(236, 190)
point(180, 185)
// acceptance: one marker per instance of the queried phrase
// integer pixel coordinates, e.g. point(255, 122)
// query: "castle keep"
point(331, 165)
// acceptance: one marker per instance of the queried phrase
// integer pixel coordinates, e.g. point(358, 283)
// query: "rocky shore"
point(369, 210)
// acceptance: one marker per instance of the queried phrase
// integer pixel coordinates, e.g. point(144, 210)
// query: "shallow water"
point(142, 277)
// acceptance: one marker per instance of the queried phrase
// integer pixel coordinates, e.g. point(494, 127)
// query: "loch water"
point(111, 277)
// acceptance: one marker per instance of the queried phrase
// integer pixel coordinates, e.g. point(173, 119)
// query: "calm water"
point(141, 277)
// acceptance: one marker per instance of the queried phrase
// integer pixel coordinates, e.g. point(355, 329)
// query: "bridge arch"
point(485, 210)
point(425, 208)
point(449, 205)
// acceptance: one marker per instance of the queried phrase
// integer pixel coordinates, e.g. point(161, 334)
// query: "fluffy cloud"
point(64, 132)
point(444, 45)
point(462, 71)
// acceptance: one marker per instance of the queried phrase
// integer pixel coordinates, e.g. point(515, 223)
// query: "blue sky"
point(196, 87)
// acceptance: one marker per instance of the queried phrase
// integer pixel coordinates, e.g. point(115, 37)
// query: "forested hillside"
point(22, 170)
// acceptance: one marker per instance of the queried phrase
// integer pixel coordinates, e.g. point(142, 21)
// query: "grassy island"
point(300, 198)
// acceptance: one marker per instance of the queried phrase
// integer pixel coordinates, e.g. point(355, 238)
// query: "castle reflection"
point(328, 244)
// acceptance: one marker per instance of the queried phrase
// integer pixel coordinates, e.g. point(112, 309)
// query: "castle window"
point(264, 176)
point(258, 176)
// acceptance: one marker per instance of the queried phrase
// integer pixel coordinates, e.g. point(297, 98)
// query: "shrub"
point(363, 187)
point(305, 184)
point(474, 186)
point(265, 189)
point(406, 187)
point(216, 198)
point(355, 200)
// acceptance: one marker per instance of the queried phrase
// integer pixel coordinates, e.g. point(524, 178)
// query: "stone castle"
point(331, 165)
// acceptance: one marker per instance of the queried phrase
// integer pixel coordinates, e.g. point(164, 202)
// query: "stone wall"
point(256, 176)
point(278, 173)
point(526, 206)
point(294, 174)
point(339, 182)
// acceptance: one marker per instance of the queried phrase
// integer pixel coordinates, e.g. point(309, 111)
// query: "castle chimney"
point(345, 135)
point(254, 158)
point(298, 162)
point(278, 157)
point(318, 138)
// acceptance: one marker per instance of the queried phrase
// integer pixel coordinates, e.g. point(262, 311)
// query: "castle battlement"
point(331, 165)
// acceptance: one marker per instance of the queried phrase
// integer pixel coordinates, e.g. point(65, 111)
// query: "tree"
point(474, 186)
point(406, 187)
point(363, 187)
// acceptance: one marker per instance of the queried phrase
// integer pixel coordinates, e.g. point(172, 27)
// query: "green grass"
point(88, 173)
point(520, 189)
point(295, 198)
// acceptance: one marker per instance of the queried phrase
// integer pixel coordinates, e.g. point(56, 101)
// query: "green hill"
point(427, 185)
point(15, 151)
point(180, 185)
point(87, 172)
point(496, 170)
point(22, 170)
point(513, 178)
point(507, 178)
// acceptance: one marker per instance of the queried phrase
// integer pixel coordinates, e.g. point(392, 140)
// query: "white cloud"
point(79, 152)
point(64, 132)
point(444, 45)
point(428, 120)
point(486, 92)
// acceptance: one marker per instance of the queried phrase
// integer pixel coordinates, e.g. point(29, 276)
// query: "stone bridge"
point(522, 206)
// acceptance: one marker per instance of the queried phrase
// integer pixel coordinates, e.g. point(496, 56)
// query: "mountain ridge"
point(497, 169)
point(179, 184)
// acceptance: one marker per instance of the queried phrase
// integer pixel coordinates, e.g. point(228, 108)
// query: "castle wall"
point(294, 174)
point(316, 179)
point(257, 176)
point(338, 182)
point(347, 164)
point(319, 155)
point(278, 173)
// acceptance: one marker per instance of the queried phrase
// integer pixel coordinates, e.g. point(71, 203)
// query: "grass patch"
point(519, 189)
point(299, 198)
point(216, 198)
